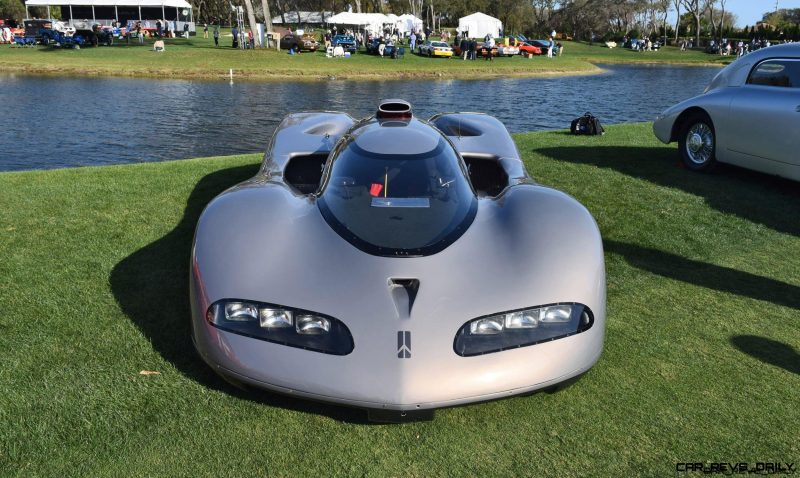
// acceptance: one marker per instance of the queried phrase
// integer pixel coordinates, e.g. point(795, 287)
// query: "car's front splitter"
point(369, 378)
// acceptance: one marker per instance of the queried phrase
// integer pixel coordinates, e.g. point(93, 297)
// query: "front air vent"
point(394, 109)
point(404, 292)
point(486, 175)
point(304, 172)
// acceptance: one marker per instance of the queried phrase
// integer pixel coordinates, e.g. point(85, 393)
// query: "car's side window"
point(779, 73)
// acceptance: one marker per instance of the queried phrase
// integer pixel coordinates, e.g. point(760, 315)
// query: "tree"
point(677, 5)
point(542, 11)
point(694, 7)
point(12, 9)
point(251, 19)
point(663, 7)
point(267, 15)
point(721, 19)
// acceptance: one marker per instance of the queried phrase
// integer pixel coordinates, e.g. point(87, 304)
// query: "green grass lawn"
point(701, 360)
point(198, 58)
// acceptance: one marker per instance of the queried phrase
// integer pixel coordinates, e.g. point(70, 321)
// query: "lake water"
point(55, 122)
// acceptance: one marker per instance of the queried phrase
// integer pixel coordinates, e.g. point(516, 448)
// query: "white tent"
point(348, 18)
point(102, 13)
point(111, 3)
point(408, 23)
point(373, 22)
point(478, 25)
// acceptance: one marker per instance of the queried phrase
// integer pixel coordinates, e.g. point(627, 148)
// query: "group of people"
point(241, 37)
point(469, 48)
point(728, 47)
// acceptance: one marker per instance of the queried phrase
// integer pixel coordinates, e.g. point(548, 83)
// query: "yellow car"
point(435, 48)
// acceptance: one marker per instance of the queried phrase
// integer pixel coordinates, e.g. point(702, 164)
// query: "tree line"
point(580, 19)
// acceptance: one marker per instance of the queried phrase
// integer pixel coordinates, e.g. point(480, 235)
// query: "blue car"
point(345, 41)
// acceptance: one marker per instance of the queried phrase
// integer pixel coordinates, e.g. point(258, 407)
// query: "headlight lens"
point(282, 325)
point(521, 328)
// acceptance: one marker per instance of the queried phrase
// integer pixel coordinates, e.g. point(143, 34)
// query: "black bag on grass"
point(586, 124)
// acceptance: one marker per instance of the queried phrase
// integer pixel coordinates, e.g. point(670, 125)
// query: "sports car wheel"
point(697, 142)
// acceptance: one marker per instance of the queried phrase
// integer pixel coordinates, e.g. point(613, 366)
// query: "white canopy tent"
point(178, 10)
point(372, 22)
point(478, 25)
point(409, 23)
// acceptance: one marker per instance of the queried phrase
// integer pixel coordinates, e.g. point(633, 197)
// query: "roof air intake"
point(394, 109)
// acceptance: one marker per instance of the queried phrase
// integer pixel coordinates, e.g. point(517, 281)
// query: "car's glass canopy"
point(398, 191)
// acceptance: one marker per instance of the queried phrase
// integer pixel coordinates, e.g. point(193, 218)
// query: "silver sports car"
point(397, 265)
point(748, 116)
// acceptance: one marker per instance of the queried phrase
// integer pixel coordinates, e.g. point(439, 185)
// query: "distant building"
point(764, 26)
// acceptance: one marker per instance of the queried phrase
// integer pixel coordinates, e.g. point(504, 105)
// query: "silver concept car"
point(748, 116)
point(397, 265)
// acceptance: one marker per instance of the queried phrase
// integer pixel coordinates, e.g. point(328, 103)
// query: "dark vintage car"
point(34, 27)
point(345, 41)
point(299, 43)
point(373, 47)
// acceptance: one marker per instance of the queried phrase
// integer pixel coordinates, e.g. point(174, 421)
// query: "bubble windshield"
point(398, 204)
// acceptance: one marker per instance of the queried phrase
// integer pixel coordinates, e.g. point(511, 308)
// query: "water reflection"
point(62, 122)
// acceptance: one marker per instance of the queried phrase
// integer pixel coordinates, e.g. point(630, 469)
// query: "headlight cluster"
point(520, 328)
point(282, 325)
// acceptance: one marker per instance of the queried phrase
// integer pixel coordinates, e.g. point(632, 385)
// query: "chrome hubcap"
point(699, 143)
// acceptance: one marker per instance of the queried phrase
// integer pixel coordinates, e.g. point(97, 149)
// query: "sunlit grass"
point(198, 58)
point(701, 359)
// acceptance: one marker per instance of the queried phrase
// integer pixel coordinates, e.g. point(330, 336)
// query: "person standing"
point(473, 50)
point(550, 49)
point(235, 34)
point(216, 35)
point(489, 45)
point(139, 33)
point(412, 41)
point(464, 46)
point(205, 30)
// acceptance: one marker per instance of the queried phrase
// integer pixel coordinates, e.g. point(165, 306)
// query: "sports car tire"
point(697, 142)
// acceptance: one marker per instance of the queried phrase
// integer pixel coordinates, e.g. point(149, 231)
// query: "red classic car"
point(526, 48)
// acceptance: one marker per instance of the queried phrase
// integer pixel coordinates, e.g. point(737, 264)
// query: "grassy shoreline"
point(197, 58)
point(700, 361)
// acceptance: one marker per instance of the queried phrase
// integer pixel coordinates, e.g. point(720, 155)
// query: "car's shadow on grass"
point(756, 197)
point(768, 351)
point(152, 288)
point(703, 274)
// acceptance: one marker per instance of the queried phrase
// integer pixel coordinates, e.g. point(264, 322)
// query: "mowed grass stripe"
point(701, 360)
